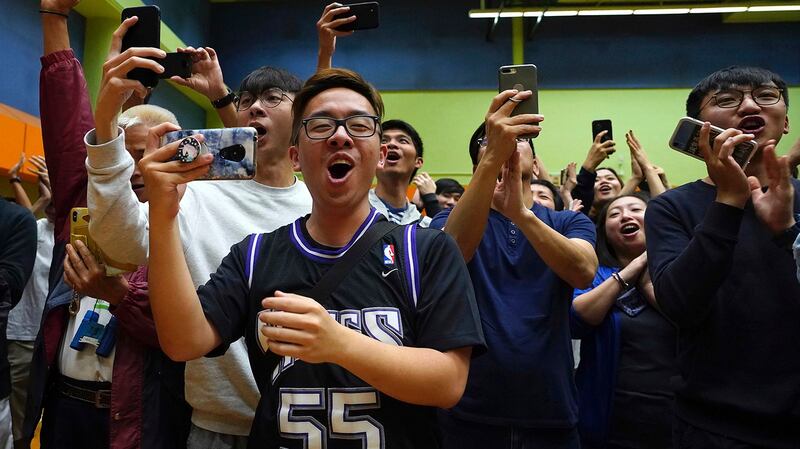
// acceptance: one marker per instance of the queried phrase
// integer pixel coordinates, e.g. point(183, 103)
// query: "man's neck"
point(274, 170)
point(335, 226)
point(392, 191)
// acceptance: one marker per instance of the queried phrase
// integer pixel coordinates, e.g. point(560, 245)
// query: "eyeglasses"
point(269, 98)
point(357, 126)
point(732, 98)
point(483, 141)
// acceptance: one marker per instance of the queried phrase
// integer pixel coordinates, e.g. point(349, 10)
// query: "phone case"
point(146, 32)
point(367, 16)
point(521, 77)
point(233, 150)
point(686, 135)
point(79, 230)
point(602, 125)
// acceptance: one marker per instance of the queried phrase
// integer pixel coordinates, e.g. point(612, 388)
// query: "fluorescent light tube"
point(718, 10)
point(656, 11)
point(560, 13)
point(773, 8)
point(606, 12)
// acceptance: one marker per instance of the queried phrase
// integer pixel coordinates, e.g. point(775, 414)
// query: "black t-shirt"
point(416, 294)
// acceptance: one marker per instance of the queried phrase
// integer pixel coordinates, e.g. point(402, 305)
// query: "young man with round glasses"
point(719, 252)
point(362, 366)
point(213, 216)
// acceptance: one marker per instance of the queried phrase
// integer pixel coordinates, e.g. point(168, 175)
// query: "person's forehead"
point(541, 189)
point(603, 173)
point(396, 133)
point(136, 137)
point(338, 101)
point(626, 202)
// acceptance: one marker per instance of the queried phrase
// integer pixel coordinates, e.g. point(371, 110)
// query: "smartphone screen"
point(367, 16)
point(687, 134)
point(146, 32)
point(602, 125)
point(233, 150)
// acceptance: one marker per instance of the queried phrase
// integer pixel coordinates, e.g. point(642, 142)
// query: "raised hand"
point(115, 88)
point(206, 76)
point(774, 207)
point(571, 179)
point(576, 205)
point(733, 188)
point(599, 151)
point(13, 172)
point(164, 178)
point(507, 198)
point(502, 130)
point(425, 183)
point(326, 30)
point(86, 276)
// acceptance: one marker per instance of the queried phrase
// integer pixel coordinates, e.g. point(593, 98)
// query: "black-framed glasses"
point(269, 98)
point(357, 126)
point(732, 98)
point(483, 141)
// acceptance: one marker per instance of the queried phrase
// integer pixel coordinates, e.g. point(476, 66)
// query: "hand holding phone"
point(146, 32)
point(79, 230)
point(367, 16)
point(685, 139)
point(233, 150)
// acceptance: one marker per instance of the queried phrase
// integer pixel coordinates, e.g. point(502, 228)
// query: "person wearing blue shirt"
point(524, 260)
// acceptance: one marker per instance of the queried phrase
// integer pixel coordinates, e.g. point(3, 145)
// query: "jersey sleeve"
point(447, 314)
point(576, 225)
point(224, 297)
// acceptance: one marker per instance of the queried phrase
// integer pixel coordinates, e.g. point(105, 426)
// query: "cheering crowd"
point(337, 312)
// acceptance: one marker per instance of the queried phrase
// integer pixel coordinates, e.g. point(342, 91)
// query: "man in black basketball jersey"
point(363, 367)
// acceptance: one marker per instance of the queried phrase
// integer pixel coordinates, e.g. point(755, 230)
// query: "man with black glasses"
point(213, 216)
point(361, 363)
point(719, 252)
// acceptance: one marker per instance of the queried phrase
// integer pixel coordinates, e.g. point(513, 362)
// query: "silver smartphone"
point(233, 150)
point(520, 77)
point(686, 136)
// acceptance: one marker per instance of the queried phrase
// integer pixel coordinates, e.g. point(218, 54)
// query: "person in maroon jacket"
point(143, 407)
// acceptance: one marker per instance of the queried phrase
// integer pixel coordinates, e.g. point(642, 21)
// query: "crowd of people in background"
point(335, 310)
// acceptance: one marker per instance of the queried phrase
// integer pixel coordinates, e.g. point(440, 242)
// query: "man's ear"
point(535, 169)
point(418, 162)
point(383, 151)
point(294, 156)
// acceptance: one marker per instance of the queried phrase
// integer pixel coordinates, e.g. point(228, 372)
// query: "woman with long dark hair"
point(628, 347)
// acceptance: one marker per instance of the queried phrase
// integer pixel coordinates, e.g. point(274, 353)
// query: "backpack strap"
point(411, 264)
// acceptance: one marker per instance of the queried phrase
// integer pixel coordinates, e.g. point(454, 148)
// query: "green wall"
point(446, 120)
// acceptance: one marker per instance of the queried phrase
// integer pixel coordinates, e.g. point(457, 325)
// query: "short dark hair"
point(266, 77)
point(606, 255)
point(729, 77)
point(557, 202)
point(475, 148)
point(410, 131)
point(448, 185)
point(330, 79)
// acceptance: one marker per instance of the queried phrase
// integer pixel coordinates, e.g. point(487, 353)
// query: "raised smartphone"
point(367, 16)
point(146, 32)
point(520, 77)
point(602, 125)
point(176, 64)
point(79, 230)
point(686, 136)
point(233, 150)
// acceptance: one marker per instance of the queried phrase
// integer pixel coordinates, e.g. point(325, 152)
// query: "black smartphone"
point(146, 32)
point(176, 64)
point(367, 16)
point(602, 125)
point(686, 136)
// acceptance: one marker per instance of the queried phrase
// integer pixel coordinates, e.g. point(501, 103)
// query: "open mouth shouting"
point(261, 130)
point(393, 157)
point(630, 229)
point(605, 189)
point(339, 168)
point(752, 125)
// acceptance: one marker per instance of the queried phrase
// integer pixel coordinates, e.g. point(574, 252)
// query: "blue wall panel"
point(419, 45)
point(424, 44)
point(21, 37)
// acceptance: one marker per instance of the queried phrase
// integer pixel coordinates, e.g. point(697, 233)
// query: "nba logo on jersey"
point(388, 254)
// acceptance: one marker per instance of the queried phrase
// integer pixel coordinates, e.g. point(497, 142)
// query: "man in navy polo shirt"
point(524, 260)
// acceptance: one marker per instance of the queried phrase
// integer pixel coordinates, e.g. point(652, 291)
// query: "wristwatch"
point(224, 101)
point(787, 238)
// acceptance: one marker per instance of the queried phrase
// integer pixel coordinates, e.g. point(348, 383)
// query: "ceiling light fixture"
point(644, 11)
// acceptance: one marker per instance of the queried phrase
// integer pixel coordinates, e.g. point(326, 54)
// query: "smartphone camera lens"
point(233, 153)
point(74, 216)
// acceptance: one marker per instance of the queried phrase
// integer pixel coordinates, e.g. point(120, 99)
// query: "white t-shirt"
point(25, 318)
